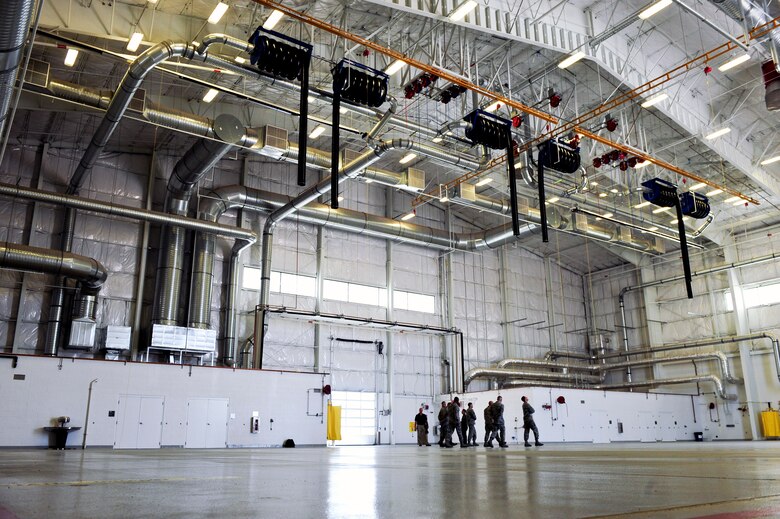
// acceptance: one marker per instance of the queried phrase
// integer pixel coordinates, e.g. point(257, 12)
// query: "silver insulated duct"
point(14, 24)
point(190, 169)
point(89, 272)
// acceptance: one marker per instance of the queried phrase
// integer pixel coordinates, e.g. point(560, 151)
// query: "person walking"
point(455, 422)
point(471, 439)
point(443, 424)
point(488, 414)
point(421, 426)
point(529, 424)
point(464, 426)
point(499, 430)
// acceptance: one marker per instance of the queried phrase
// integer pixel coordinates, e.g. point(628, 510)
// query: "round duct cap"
point(228, 128)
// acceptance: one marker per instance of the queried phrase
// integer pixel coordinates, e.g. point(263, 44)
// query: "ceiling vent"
point(274, 141)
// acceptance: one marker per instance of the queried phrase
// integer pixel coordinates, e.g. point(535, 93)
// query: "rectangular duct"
point(415, 179)
point(274, 141)
point(580, 222)
point(624, 234)
point(179, 338)
point(118, 338)
point(466, 191)
point(37, 73)
point(82, 334)
point(138, 102)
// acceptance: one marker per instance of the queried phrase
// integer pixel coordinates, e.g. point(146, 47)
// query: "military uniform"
point(499, 430)
point(455, 424)
point(488, 414)
point(529, 425)
point(443, 426)
point(471, 439)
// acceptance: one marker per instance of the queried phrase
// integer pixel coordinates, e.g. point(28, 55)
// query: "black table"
point(58, 436)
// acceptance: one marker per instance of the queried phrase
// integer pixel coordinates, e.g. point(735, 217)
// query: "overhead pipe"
point(476, 373)
point(14, 24)
point(188, 172)
point(90, 273)
point(745, 10)
point(699, 273)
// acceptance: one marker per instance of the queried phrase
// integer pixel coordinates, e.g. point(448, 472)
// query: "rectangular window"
point(335, 290)
point(280, 282)
point(414, 302)
point(765, 295)
point(354, 293)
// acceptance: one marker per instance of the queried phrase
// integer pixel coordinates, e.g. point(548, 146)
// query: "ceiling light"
point(653, 9)
point(644, 164)
point(607, 215)
point(718, 133)
point(493, 106)
point(239, 59)
point(697, 186)
point(613, 190)
point(653, 228)
point(407, 158)
point(369, 181)
point(395, 67)
point(486, 180)
point(571, 60)
point(152, 1)
point(135, 41)
point(462, 10)
point(602, 195)
point(673, 221)
point(340, 199)
point(654, 100)
point(70, 57)
point(715, 192)
point(316, 132)
point(437, 140)
point(734, 62)
point(640, 206)
point(273, 19)
point(310, 99)
point(770, 161)
point(739, 202)
point(732, 199)
point(660, 210)
point(408, 216)
point(553, 200)
point(218, 12)
point(594, 183)
point(444, 199)
point(343, 110)
point(210, 95)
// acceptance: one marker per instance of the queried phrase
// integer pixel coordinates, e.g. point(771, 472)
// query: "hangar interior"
point(224, 218)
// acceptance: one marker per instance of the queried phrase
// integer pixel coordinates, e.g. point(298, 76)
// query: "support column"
point(503, 281)
point(743, 327)
point(40, 163)
point(135, 337)
point(550, 307)
point(652, 313)
point(389, 347)
point(319, 354)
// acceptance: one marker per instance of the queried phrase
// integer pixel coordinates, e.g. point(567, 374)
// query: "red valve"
point(517, 121)
point(606, 159)
point(623, 165)
point(632, 162)
point(707, 69)
point(597, 162)
point(615, 155)
point(561, 400)
point(555, 100)
point(326, 389)
point(612, 124)
point(366, 52)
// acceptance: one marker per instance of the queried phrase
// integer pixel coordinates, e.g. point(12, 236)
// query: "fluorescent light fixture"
point(210, 95)
point(739, 202)
point(672, 222)
point(660, 210)
point(607, 215)
point(70, 57)
point(553, 199)
point(437, 140)
point(697, 186)
point(310, 99)
point(408, 216)
point(273, 19)
point(653, 228)
point(602, 195)
point(135, 41)
point(774, 159)
point(732, 199)
point(218, 12)
point(152, 1)
point(340, 198)
point(316, 132)
point(571, 60)
point(369, 181)
point(343, 110)
point(739, 60)
point(444, 199)
point(594, 183)
point(718, 133)
point(715, 192)
point(395, 67)
point(655, 100)
point(462, 10)
point(613, 190)
point(484, 181)
point(239, 59)
point(492, 107)
point(655, 8)
point(407, 158)
point(640, 206)
point(644, 164)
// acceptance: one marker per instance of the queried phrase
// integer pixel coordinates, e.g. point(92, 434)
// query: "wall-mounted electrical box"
point(254, 423)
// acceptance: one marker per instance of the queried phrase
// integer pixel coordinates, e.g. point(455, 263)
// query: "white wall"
point(55, 387)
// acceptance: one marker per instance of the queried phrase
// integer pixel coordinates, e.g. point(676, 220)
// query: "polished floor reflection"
point(740, 479)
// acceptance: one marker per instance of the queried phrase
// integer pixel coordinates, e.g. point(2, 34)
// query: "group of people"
point(455, 420)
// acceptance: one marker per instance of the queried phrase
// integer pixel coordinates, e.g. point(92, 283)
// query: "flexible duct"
point(89, 272)
point(14, 24)
point(190, 169)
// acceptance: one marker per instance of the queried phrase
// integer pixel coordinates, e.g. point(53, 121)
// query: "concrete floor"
point(718, 480)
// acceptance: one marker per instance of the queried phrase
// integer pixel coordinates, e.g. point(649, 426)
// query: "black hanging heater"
point(557, 155)
point(283, 57)
point(495, 132)
point(357, 84)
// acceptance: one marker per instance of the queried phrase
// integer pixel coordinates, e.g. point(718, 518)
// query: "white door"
point(599, 421)
point(139, 423)
point(206, 423)
point(647, 426)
